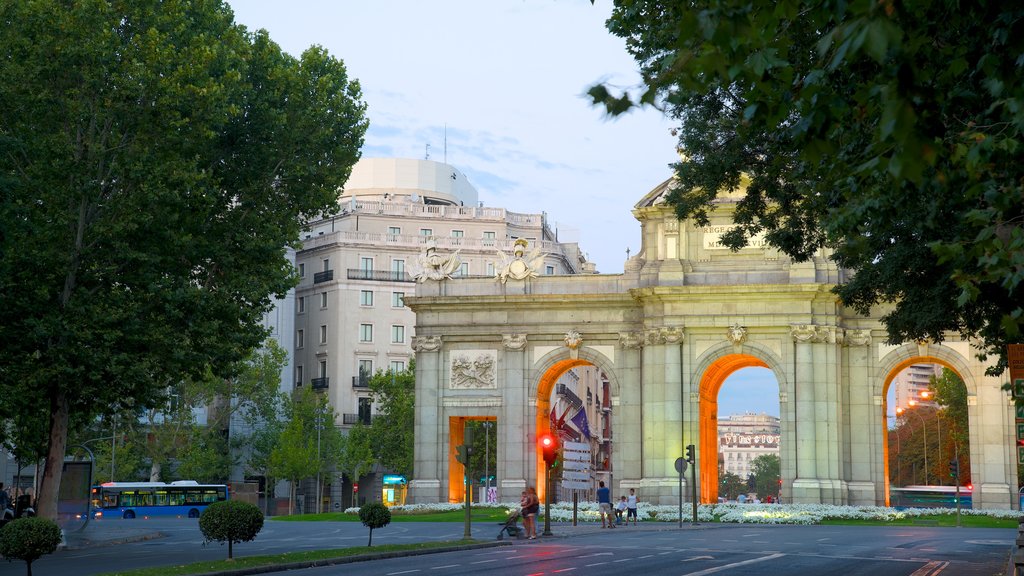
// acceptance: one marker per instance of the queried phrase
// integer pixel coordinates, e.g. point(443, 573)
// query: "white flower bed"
point(730, 512)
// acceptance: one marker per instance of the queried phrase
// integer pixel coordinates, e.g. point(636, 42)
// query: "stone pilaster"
point(515, 425)
point(430, 453)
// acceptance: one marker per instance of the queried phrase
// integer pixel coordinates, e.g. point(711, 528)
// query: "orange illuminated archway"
point(885, 406)
point(543, 426)
point(710, 384)
point(456, 471)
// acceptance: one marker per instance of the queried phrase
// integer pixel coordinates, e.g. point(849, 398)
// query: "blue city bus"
point(184, 498)
point(929, 497)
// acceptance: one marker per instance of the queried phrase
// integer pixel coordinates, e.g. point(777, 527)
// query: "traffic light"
point(954, 468)
point(689, 454)
point(463, 454)
point(549, 448)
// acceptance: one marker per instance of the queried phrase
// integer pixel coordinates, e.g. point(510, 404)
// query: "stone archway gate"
point(684, 315)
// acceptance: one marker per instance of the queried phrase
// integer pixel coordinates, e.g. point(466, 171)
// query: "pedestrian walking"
point(631, 504)
point(604, 505)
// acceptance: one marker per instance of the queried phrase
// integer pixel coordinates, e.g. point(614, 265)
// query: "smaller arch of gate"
point(545, 372)
point(712, 368)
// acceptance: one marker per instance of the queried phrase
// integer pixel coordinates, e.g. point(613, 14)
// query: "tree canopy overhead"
point(156, 161)
point(886, 131)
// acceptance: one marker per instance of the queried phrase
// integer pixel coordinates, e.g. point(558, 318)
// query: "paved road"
point(749, 550)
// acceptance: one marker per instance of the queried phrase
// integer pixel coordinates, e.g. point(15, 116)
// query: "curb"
point(351, 559)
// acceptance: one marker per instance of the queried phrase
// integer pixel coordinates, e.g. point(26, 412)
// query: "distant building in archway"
point(744, 437)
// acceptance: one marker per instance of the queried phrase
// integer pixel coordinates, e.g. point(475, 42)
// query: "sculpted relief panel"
point(473, 369)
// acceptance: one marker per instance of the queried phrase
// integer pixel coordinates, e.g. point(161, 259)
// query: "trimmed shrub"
point(374, 515)
point(230, 521)
point(29, 538)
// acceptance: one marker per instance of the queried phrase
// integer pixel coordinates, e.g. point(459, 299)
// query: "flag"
point(581, 423)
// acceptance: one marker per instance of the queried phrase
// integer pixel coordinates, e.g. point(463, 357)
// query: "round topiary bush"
point(374, 515)
point(29, 538)
point(230, 521)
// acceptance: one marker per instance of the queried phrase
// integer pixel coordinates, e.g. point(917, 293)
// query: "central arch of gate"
point(663, 336)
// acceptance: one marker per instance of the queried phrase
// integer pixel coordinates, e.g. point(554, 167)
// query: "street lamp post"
point(924, 426)
point(487, 452)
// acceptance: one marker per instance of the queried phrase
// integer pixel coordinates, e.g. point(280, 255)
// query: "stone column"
point(866, 422)
point(828, 415)
point(662, 414)
point(515, 424)
point(430, 453)
point(806, 487)
point(627, 429)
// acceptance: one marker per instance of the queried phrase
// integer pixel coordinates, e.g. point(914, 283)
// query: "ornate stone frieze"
point(857, 338)
point(808, 333)
point(573, 339)
point(471, 369)
point(426, 343)
point(736, 334)
point(673, 335)
point(655, 336)
point(671, 225)
point(513, 341)
point(631, 340)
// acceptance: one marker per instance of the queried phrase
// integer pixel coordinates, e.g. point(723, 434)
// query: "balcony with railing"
point(380, 275)
point(352, 419)
point(361, 381)
point(320, 383)
point(325, 276)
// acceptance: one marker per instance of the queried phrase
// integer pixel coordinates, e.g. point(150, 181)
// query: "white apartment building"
point(744, 437)
point(350, 317)
point(911, 384)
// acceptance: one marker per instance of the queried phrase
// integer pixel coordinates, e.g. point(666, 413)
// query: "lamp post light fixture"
point(487, 451)
point(924, 426)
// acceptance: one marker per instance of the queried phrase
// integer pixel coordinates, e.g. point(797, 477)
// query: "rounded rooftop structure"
point(423, 181)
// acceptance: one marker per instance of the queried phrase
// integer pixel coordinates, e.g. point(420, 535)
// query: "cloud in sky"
point(505, 80)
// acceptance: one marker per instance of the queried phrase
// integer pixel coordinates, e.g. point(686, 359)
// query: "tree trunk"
point(46, 499)
point(230, 554)
point(291, 498)
point(370, 543)
point(155, 470)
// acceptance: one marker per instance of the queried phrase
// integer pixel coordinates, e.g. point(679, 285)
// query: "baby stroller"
point(511, 526)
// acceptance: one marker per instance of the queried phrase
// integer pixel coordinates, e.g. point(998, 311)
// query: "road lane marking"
point(443, 567)
point(647, 556)
point(565, 570)
point(931, 568)
point(402, 572)
point(734, 565)
point(596, 564)
point(622, 560)
point(484, 561)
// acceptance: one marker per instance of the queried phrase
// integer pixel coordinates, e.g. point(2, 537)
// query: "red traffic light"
point(549, 448)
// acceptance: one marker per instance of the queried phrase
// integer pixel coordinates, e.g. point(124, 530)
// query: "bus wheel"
point(193, 513)
point(128, 514)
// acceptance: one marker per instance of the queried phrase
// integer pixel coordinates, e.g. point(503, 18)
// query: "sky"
point(496, 88)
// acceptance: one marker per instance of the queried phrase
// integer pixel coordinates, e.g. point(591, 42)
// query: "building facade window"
point(366, 332)
point(365, 369)
point(302, 269)
point(298, 375)
point(366, 297)
point(458, 233)
point(302, 304)
point(397, 269)
point(490, 268)
point(366, 264)
point(397, 365)
point(327, 264)
point(323, 368)
point(398, 299)
point(365, 405)
point(300, 338)
point(323, 333)
point(394, 230)
point(398, 334)
point(323, 299)
point(549, 270)
point(489, 236)
point(463, 269)
point(426, 231)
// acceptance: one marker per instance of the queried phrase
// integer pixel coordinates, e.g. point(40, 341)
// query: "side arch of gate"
point(711, 370)
point(545, 373)
point(908, 354)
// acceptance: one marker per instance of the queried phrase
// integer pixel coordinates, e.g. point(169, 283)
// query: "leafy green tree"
point(355, 456)
point(29, 539)
point(260, 444)
point(156, 160)
point(730, 485)
point(230, 521)
point(950, 394)
point(394, 393)
point(374, 515)
point(888, 132)
point(482, 449)
point(766, 470)
point(294, 457)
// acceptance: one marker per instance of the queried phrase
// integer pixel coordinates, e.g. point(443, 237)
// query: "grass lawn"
point(944, 520)
point(287, 558)
point(476, 514)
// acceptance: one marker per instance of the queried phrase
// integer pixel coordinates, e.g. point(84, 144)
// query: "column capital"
point(426, 343)
point(513, 341)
